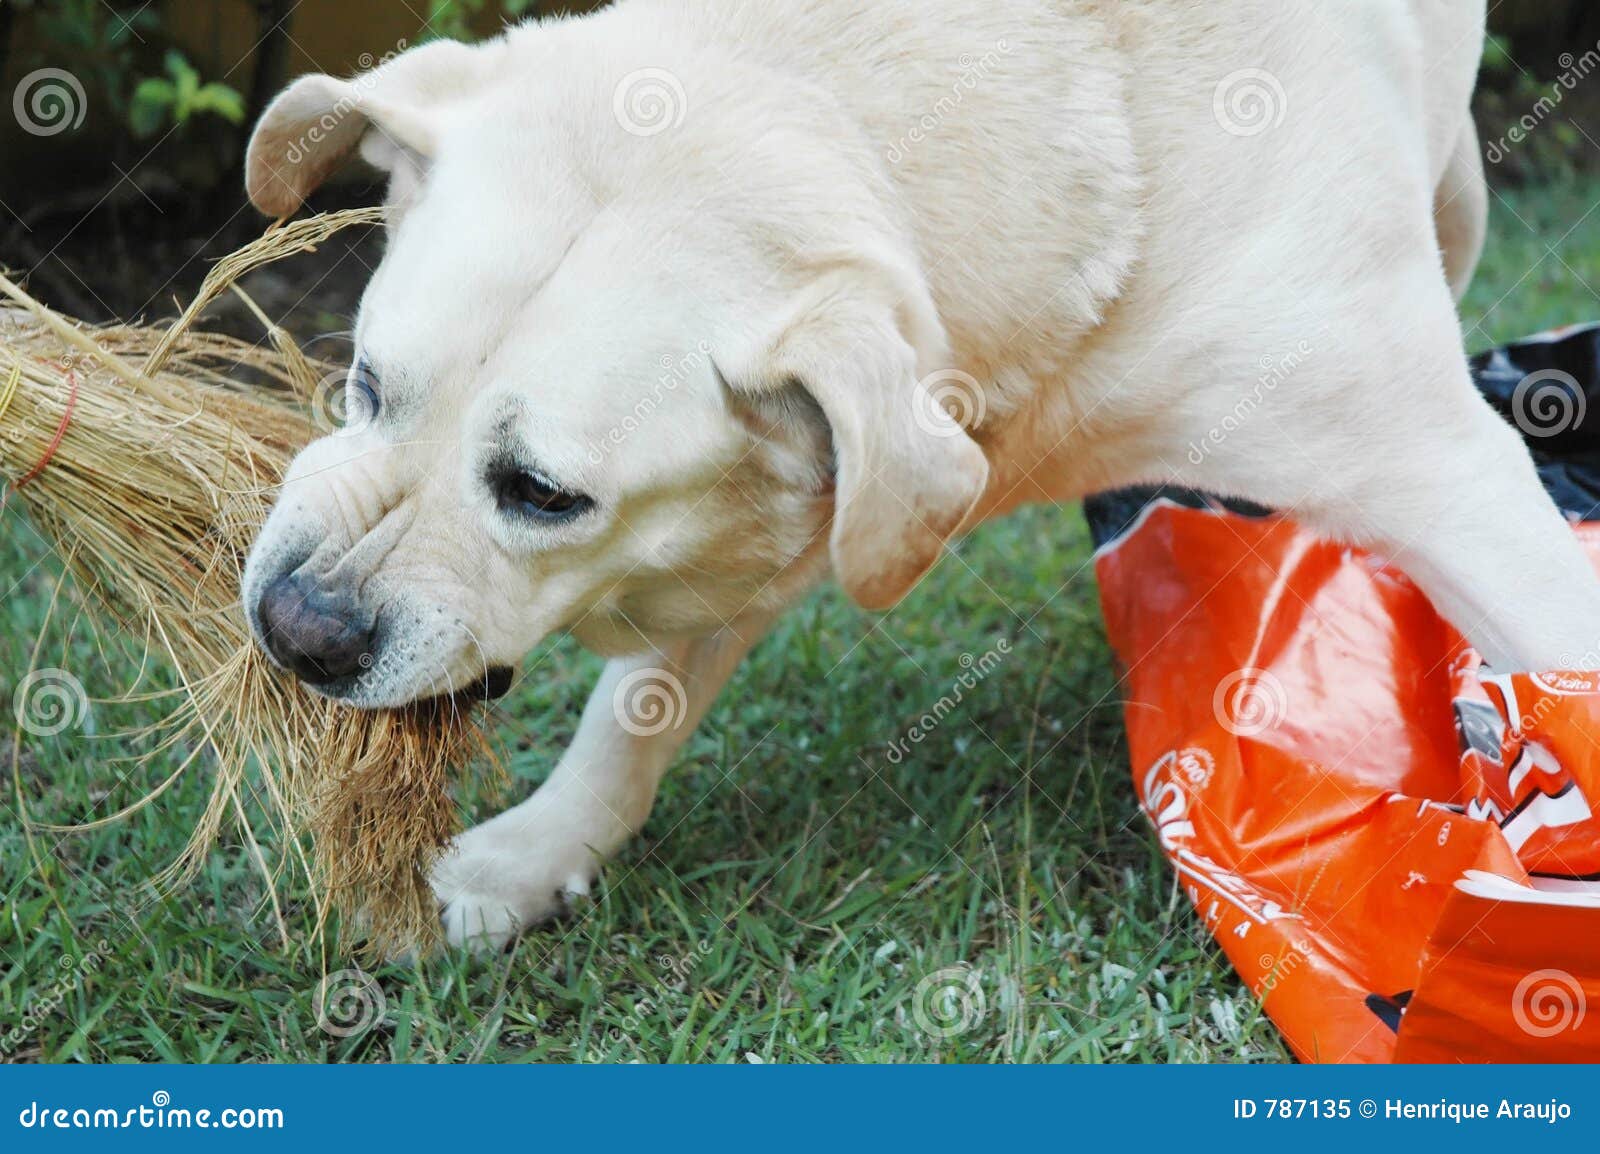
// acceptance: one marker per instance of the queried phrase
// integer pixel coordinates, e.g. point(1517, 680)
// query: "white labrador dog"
point(687, 301)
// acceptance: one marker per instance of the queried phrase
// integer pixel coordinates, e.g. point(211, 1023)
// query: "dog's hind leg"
point(1468, 520)
point(523, 866)
point(1380, 439)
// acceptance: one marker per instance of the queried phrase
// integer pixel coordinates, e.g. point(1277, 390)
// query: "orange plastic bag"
point(1397, 849)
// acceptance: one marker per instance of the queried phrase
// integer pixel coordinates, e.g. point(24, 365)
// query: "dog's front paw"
point(495, 882)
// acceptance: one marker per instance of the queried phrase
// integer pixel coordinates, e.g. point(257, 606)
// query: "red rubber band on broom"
point(55, 441)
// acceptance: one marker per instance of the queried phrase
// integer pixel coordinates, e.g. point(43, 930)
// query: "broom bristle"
point(153, 496)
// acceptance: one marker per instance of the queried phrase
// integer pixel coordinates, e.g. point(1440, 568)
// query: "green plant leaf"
point(150, 105)
point(220, 100)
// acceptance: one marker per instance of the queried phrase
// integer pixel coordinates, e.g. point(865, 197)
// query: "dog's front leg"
point(521, 867)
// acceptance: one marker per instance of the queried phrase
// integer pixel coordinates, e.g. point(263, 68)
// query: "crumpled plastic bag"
point(1397, 847)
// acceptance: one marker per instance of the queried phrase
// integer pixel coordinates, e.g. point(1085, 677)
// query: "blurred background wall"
point(250, 47)
point(149, 148)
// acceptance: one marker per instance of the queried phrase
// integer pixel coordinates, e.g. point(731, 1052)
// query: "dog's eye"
point(362, 403)
point(517, 491)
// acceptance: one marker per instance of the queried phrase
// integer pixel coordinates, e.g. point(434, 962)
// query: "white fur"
point(1046, 215)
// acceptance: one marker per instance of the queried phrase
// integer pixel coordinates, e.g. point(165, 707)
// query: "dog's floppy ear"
point(908, 473)
point(312, 126)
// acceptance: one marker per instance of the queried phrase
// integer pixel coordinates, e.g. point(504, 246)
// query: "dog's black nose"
point(320, 635)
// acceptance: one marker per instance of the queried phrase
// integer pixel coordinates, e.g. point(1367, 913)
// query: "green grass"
point(794, 888)
point(1541, 267)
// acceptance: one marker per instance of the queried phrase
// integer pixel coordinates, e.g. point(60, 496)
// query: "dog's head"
point(625, 383)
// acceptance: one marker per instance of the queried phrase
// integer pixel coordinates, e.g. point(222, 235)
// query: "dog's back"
point(1063, 161)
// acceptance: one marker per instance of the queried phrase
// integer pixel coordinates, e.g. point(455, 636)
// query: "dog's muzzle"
point(319, 634)
point(324, 636)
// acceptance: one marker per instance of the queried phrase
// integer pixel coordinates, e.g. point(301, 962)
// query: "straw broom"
point(150, 465)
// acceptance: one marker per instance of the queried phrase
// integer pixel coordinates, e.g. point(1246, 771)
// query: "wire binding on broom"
point(60, 433)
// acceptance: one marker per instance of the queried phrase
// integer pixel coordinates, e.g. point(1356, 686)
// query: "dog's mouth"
point(493, 685)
